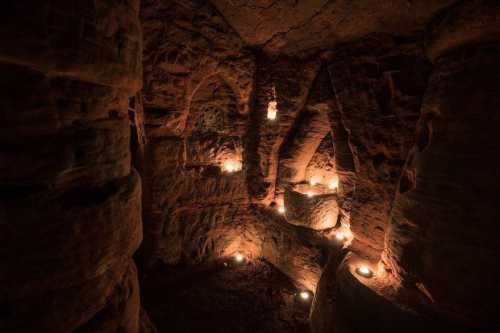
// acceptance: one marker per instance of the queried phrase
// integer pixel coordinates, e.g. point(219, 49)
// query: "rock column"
point(443, 235)
point(70, 203)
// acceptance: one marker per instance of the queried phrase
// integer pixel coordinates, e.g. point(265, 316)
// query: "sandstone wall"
point(379, 84)
point(205, 105)
point(442, 237)
point(439, 244)
point(70, 206)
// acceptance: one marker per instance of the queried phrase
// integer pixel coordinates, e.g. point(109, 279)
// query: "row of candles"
point(231, 166)
point(341, 236)
point(306, 295)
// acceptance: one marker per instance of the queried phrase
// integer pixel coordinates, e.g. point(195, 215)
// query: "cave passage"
point(249, 166)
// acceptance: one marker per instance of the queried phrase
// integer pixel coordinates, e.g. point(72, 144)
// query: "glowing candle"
point(272, 110)
point(364, 271)
point(340, 236)
point(313, 182)
point(310, 194)
point(334, 183)
point(304, 295)
point(238, 257)
point(281, 210)
point(231, 166)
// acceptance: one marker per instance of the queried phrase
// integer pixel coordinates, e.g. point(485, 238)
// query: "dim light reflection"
point(341, 236)
point(334, 183)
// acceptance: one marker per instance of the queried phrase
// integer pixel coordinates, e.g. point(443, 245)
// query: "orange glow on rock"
point(334, 183)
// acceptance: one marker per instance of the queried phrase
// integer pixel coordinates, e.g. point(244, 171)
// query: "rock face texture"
point(444, 214)
point(265, 138)
point(225, 297)
point(70, 208)
point(378, 85)
point(205, 176)
point(342, 149)
point(440, 231)
point(301, 26)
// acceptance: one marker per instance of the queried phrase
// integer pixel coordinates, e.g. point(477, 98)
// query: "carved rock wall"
point(436, 269)
point(199, 116)
point(378, 86)
point(70, 207)
point(444, 214)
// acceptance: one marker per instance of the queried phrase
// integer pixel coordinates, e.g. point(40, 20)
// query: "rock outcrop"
point(443, 222)
point(202, 171)
point(343, 151)
point(435, 269)
point(305, 26)
point(70, 203)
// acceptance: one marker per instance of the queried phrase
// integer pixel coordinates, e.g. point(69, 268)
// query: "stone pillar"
point(70, 207)
point(443, 234)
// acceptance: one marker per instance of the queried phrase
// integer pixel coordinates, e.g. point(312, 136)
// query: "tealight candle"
point(272, 110)
point(231, 166)
point(239, 258)
point(304, 295)
point(364, 271)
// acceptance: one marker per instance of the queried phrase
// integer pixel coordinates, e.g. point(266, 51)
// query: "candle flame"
point(272, 110)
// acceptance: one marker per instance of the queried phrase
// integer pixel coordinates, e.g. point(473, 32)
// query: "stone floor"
point(224, 297)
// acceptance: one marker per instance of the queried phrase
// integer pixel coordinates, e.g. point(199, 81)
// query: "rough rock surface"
point(200, 156)
point(70, 203)
point(322, 166)
point(265, 138)
point(348, 302)
point(224, 297)
point(295, 26)
point(186, 43)
point(195, 210)
point(378, 86)
point(436, 267)
point(445, 213)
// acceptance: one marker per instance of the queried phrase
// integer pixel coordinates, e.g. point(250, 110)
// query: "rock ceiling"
point(296, 25)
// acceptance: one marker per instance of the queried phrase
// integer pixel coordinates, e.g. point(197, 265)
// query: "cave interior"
point(309, 166)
